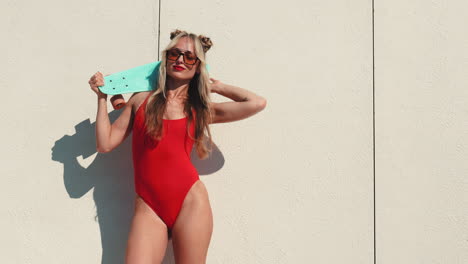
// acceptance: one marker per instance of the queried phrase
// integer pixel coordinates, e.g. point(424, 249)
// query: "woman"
point(171, 202)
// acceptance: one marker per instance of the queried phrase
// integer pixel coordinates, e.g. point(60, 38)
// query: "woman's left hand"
point(215, 85)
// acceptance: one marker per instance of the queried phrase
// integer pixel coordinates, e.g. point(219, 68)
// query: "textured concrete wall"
point(293, 184)
point(421, 132)
point(63, 202)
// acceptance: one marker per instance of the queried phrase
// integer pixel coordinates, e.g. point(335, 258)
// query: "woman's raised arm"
point(109, 136)
point(246, 103)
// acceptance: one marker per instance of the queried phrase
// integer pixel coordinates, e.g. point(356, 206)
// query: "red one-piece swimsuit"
point(163, 171)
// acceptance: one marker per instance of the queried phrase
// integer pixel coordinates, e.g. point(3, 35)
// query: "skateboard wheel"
point(117, 101)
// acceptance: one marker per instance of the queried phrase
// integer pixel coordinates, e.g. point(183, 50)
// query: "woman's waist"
point(179, 155)
point(162, 162)
point(165, 172)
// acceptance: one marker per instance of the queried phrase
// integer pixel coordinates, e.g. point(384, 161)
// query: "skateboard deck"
point(138, 79)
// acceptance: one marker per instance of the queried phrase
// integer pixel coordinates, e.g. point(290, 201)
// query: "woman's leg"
point(147, 240)
point(191, 233)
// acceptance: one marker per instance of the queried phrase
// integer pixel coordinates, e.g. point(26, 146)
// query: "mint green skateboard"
point(138, 79)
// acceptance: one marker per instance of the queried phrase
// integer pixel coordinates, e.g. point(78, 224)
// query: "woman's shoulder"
point(137, 99)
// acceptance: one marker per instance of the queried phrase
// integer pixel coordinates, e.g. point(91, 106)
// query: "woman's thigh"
point(147, 239)
point(191, 233)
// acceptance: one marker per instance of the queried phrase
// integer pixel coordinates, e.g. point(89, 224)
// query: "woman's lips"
point(178, 68)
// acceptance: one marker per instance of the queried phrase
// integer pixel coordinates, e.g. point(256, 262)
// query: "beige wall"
point(422, 132)
point(293, 184)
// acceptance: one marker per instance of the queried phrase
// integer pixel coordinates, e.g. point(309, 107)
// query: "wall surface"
point(346, 164)
point(421, 132)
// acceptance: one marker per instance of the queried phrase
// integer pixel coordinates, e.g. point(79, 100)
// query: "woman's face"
point(178, 69)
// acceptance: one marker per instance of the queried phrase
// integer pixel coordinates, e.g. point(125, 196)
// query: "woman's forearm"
point(103, 125)
point(236, 93)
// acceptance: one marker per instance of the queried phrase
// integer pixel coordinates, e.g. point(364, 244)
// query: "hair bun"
point(206, 42)
point(175, 33)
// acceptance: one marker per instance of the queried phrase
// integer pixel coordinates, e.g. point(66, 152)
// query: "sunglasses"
point(189, 58)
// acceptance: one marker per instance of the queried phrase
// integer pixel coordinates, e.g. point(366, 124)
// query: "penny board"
point(138, 79)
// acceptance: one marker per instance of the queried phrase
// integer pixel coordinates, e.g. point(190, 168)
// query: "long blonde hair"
point(198, 97)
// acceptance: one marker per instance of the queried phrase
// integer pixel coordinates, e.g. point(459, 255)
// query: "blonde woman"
point(171, 202)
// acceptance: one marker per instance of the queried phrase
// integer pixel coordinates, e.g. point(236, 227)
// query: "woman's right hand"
point(97, 80)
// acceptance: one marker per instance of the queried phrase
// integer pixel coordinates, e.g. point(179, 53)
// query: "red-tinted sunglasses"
point(189, 58)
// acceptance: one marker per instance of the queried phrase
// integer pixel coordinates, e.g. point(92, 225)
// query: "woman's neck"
point(177, 88)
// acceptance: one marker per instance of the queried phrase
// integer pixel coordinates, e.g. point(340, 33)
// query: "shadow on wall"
point(111, 175)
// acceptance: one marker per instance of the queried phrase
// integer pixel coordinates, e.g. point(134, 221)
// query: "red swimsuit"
point(163, 170)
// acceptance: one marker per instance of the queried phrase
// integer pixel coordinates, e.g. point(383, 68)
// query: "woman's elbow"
point(102, 150)
point(261, 103)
